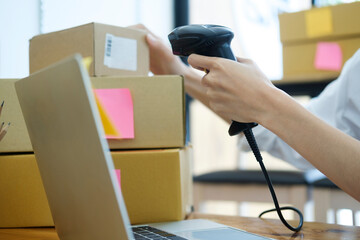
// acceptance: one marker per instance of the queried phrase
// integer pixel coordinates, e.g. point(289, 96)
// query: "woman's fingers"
point(201, 62)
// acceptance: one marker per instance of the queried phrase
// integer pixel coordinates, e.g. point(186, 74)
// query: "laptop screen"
point(72, 154)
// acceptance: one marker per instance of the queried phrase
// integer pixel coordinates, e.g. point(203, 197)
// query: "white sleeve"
point(271, 143)
point(338, 105)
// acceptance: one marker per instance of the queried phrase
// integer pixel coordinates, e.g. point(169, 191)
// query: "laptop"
point(76, 166)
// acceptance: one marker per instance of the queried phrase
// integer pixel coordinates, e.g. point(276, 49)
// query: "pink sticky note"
point(117, 171)
point(328, 56)
point(118, 105)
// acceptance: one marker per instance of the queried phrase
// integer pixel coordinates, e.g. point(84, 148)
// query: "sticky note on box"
point(118, 106)
point(328, 56)
point(318, 22)
point(118, 177)
point(108, 125)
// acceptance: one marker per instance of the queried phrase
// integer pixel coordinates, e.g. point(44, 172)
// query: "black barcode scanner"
point(214, 41)
point(207, 40)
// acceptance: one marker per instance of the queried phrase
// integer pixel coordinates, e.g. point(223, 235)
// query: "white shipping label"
point(120, 53)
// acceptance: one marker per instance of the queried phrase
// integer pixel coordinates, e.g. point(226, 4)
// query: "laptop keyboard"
point(146, 232)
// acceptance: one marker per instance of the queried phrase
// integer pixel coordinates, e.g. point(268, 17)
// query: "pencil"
point(1, 107)
point(4, 131)
point(2, 125)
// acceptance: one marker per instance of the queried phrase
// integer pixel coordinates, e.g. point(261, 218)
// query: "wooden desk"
point(269, 228)
point(273, 228)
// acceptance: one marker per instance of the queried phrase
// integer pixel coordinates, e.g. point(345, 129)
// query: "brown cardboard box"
point(301, 32)
point(343, 22)
point(159, 114)
point(17, 138)
point(114, 50)
point(298, 60)
point(23, 201)
point(156, 186)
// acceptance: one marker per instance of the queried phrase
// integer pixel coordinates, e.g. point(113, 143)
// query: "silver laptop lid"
point(72, 154)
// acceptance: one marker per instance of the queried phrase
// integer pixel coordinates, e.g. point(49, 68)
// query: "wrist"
point(275, 108)
point(177, 67)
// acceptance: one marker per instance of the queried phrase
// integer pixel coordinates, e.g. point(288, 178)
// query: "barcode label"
point(120, 53)
point(108, 45)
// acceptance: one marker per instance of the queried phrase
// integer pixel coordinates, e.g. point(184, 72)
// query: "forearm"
point(275, 146)
point(339, 158)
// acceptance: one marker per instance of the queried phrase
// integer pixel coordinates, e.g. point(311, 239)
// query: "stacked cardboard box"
point(145, 175)
point(158, 123)
point(317, 42)
point(159, 113)
point(153, 163)
point(115, 50)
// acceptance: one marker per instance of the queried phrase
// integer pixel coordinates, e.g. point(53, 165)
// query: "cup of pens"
point(3, 127)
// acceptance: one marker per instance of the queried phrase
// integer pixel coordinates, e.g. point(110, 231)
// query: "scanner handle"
point(238, 127)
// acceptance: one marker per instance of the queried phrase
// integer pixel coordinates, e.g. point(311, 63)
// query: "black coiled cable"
point(254, 147)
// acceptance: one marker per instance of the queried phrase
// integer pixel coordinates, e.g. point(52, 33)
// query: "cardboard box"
point(23, 201)
point(326, 23)
point(159, 110)
point(115, 50)
point(159, 115)
point(156, 186)
point(17, 138)
point(333, 29)
point(298, 60)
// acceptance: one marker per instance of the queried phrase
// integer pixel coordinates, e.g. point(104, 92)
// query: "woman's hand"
point(235, 90)
point(162, 60)
point(240, 91)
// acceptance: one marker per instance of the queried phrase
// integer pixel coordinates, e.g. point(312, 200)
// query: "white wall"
point(19, 21)
point(156, 14)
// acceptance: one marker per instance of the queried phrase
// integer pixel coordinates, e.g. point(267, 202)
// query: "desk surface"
point(265, 227)
point(273, 228)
